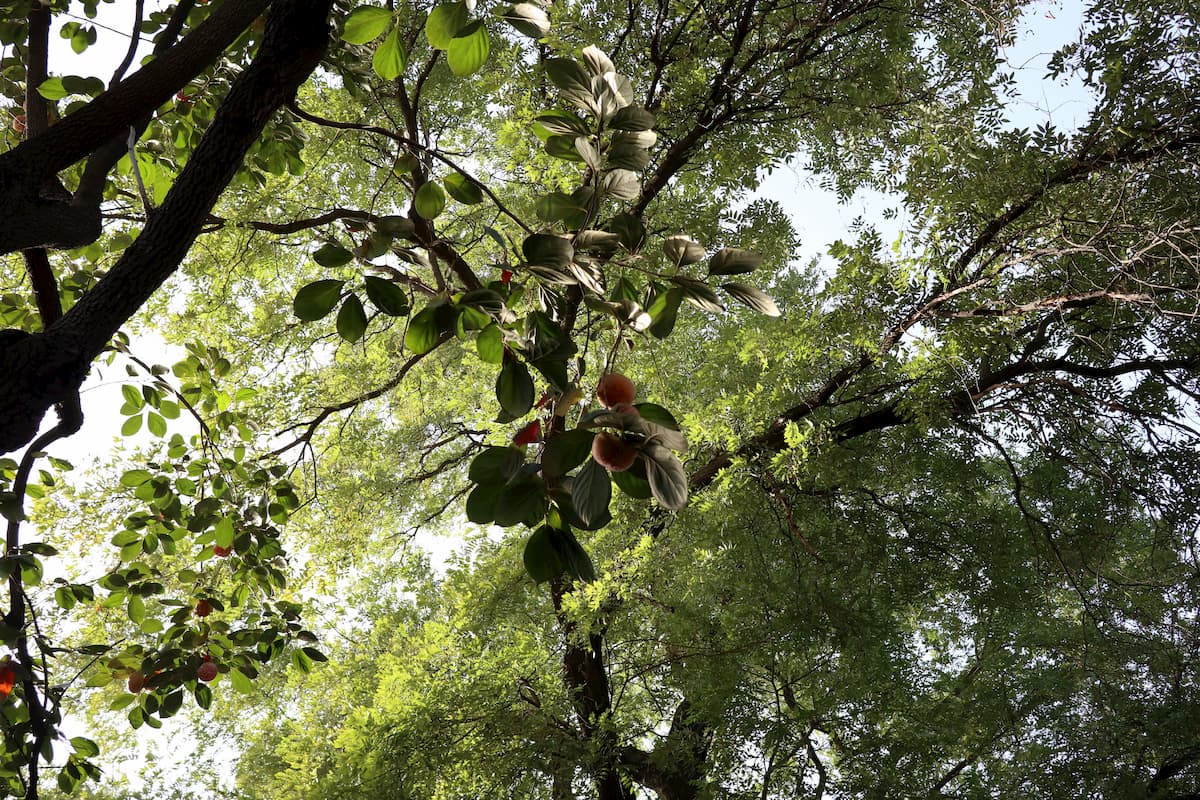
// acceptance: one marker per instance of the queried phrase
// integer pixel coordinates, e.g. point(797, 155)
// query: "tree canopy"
point(916, 518)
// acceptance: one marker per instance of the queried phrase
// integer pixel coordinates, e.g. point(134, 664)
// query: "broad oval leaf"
point(541, 556)
point(514, 389)
point(547, 250)
point(591, 491)
point(632, 118)
point(668, 481)
point(566, 451)
point(423, 331)
point(352, 319)
point(317, 299)
point(496, 465)
point(332, 255)
point(390, 59)
point(682, 250)
point(699, 294)
point(734, 261)
point(632, 484)
point(528, 19)
point(490, 344)
point(469, 49)
point(757, 299)
point(575, 559)
point(597, 61)
point(386, 296)
point(430, 200)
point(463, 189)
point(444, 23)
point(365, 23)
point(481, 503)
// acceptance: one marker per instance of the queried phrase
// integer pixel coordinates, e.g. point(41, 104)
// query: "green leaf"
point(514, 389)
point(52, 89)
point(668, 481)
point(632, 484)
point(132, 426)
point(133, 398)
point(632, 118)
point(423, 331)
point(568, 75)
point(463, 189)
point(521, 503)
point(469, 49)
point(388, 297)
point(241, 682)
point(664, 311)
point(444, 23)
point(332, 255)
point(352, 319)
point(136, 609)
point(591, 491)
point(84, 747)
point(496, 465)
point(563, 147)
point(541, 556)
point(682, 250)
point(547, 250)
point(566, 451)
point(390, 59)
point(490, 344)
point(430, 200)
point(156, 424)
point(528, 19)
point(733, 261)
point(576, 560)
point(365, 23)
point(317, 299)
point(754, 298)
point(481, 503)
point(652, 412)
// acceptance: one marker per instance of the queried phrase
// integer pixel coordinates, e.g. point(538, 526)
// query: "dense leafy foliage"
point(915, 520)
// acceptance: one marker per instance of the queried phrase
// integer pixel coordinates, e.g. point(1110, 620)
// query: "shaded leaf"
point(757, 299)
point(668, 481)
point(591, 491)
point(541, 557)
point(514, 389)
point(388, 297)
point(734, 261)
point(352, 319)
point(317, 299)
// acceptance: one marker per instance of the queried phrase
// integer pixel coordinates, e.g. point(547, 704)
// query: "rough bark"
point(47, 368)
point(32, 217)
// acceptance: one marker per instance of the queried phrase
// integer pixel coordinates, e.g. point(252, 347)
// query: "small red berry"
point(221, 551)
point(506, 276)
point(530, 434)
point(207, 671)
point(614, 389)
point(203, 608)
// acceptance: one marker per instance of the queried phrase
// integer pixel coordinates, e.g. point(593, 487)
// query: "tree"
point(1031, 344)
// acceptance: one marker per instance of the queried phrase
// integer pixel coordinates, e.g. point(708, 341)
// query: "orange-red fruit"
point(207, 671)
point(137, 682)
point(614, 389)
point(203, 608)
point(613, 453)
point(221, 551)
point(18, 123)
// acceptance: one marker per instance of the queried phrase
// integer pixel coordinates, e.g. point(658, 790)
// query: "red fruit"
point(613, 453)
point(614, 389)
point(207, 671)
point(203, 608)
point(8, 679)
point(506, 276)
point(18, 123)
point(221, 551)
point(137, 682)
point(530, 434)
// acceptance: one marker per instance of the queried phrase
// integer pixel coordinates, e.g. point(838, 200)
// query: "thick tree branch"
point(47, 368)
